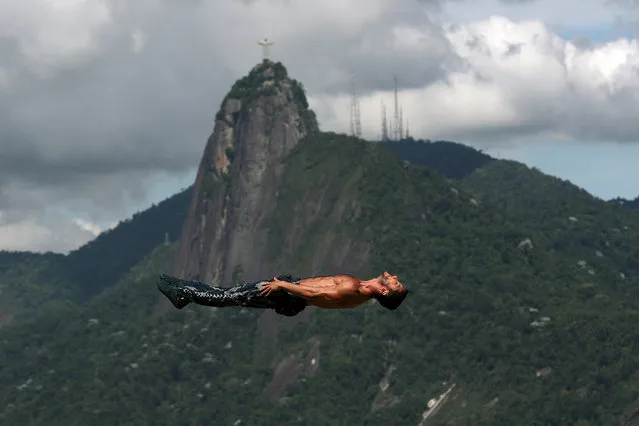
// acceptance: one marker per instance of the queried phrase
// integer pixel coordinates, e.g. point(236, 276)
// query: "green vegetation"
point(31, 283)
point(566, 218)
point(475, 317)
point(230, 153)
point(451, 159)
point(313, 169)
point(631, 204)
point(103, 261)
point(262, 81)
point(309, 120)
point(265, 79)
point(212, 182)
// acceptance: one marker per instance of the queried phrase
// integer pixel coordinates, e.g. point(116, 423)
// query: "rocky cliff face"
point(261, 119)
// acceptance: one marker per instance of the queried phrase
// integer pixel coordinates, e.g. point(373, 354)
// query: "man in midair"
point(286, 295)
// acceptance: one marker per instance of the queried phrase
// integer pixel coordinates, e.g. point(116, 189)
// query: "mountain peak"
point(268, 79)
point(263, 117)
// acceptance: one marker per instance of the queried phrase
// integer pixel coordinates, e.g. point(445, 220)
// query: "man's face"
point(392, 283)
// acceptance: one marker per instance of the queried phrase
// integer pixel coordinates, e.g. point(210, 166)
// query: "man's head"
point(392, 293)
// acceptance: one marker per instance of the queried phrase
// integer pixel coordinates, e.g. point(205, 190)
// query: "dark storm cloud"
point(121, 114)
point(373, 59)
point(149, 111)
point(124, 111)
point(102, 101)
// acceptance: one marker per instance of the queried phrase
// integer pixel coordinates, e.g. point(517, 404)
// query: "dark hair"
point(392, 300)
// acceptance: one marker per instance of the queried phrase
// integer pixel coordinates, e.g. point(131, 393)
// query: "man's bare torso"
point(338, 291)
point(335, 292)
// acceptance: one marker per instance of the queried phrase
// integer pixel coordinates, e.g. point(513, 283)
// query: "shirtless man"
point(286, 295)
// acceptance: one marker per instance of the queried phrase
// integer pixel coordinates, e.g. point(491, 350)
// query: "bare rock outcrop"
point(262, 118)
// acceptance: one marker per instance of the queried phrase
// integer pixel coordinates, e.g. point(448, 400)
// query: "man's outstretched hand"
point(270, 286)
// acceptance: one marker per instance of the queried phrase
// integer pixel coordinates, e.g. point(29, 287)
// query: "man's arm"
point(306, 292)
point(301, 290)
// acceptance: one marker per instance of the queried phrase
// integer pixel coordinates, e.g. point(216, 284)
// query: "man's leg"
point(182, 292)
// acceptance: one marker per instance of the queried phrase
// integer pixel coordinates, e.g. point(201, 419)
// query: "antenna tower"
point(401, 123)
point(396, 124)
point(356, 124)
point(384, 123)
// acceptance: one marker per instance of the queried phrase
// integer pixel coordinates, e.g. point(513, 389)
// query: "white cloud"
point(87, 226)
point(520, 79)
point(35, 235)
point(138, 40)
point(53, 34)
point(591, 13)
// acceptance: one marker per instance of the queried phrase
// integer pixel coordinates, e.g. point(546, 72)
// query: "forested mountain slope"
point(631, 204)
point(524, 334)
point(603, 238)
point(451, 159)
point(32, 283)
point(523, 304)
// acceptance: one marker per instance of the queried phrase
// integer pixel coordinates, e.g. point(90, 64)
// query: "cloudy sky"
point(105, 105)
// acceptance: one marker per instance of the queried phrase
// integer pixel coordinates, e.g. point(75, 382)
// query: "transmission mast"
point(401, 123)
point(356, 124)
point(396, 125)
point(384, 123)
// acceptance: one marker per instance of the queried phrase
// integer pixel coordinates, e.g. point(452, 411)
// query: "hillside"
point(32, 283)
point(261, 119)
point(631, 204)
point(475, 319)
point(522, 309)
point(102, 262)
point(450, 159)
point(601, 238)
point(29, 283)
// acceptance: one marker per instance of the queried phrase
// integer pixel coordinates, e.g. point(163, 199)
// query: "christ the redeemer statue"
point(286, 295)
point(265, 45)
